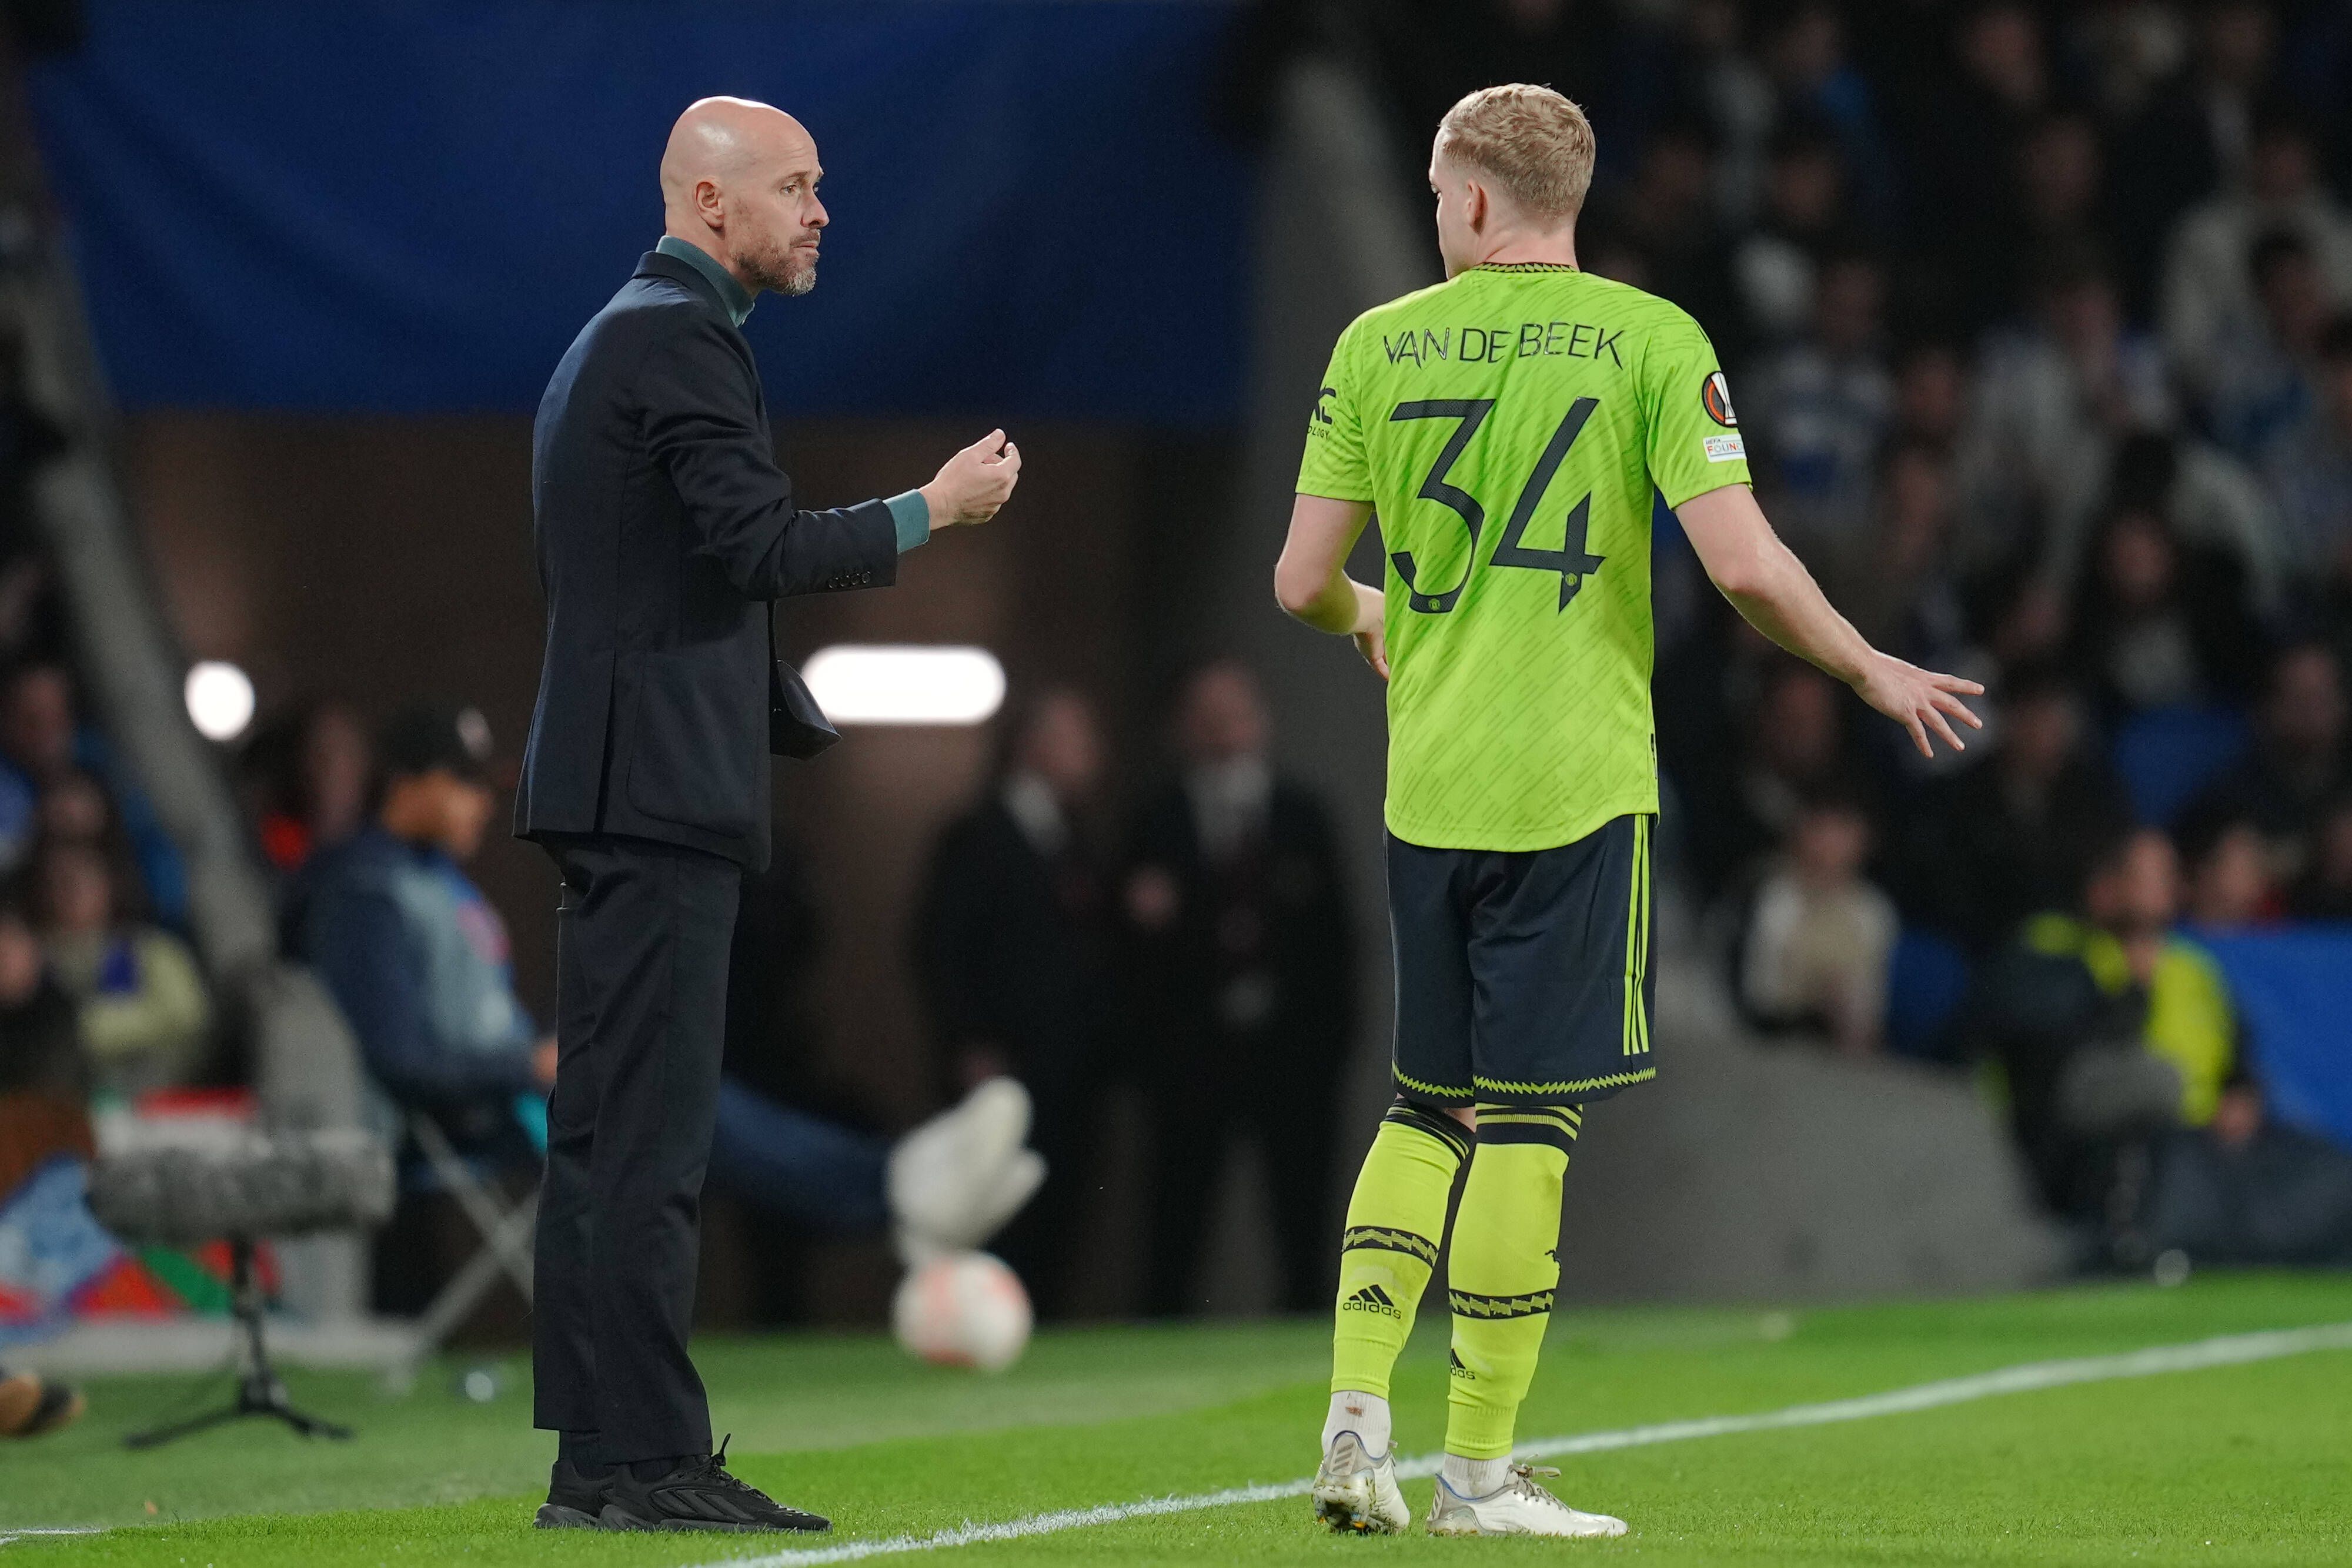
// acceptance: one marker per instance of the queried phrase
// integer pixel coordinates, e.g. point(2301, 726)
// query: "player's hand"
point(1921, 701)
point(974, 483)
point(1371, 632)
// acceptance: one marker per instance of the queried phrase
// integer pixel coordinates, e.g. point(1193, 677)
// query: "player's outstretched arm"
point(1769, 586)
point(1311, 581)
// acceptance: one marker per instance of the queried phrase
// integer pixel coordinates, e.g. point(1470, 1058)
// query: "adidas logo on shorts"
point(1371, 1299)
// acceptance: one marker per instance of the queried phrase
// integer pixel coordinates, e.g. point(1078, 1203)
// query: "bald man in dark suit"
point(665, 530)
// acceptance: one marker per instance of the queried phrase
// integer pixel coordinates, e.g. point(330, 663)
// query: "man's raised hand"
point(1918, 700)
point(973, 483)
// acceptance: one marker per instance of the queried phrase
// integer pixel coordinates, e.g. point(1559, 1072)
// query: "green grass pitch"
point(2248, 1464)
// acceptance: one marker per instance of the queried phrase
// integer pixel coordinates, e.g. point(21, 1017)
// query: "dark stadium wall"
point(384, 560)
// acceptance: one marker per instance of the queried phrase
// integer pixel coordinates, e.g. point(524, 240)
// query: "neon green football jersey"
point(1508, 427)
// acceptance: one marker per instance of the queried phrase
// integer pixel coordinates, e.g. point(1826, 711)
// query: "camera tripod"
point(259, 1391)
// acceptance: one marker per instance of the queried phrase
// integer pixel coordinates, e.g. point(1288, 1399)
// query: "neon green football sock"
point(1395, 1221)
point(1505, 1270)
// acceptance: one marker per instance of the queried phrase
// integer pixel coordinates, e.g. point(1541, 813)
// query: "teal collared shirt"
point(909, 513)
point(736, 299)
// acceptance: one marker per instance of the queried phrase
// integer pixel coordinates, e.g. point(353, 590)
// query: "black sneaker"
point(573, 1499)
point(698, 1495)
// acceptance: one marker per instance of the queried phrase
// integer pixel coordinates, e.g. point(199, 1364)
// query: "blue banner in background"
point(411, 207)
point(2288, 987)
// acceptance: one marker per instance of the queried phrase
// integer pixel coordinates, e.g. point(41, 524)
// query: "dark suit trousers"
point(641, 1017)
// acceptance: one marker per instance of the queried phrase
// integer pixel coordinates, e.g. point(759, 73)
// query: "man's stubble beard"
point(778, 271)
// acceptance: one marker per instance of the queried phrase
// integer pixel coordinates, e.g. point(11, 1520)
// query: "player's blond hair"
point(1535, 143)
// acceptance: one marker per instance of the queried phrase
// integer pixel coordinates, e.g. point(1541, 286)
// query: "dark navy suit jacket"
point(663, 528)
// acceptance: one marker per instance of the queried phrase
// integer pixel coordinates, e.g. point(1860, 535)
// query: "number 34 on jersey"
point(1510, 428)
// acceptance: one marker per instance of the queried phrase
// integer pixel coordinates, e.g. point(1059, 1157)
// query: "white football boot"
point(1357, 1493)
point(954, 1181)
point(1519, 1507)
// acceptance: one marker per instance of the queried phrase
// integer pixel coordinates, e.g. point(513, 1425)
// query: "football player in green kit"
point(1509, 427)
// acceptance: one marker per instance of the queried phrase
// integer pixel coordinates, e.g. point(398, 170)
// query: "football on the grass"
point(966, 1309)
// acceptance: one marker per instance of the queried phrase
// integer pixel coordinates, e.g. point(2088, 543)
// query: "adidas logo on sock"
point(1458, 1370)
point(1371, 1299)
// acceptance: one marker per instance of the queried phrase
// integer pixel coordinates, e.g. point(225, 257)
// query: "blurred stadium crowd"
point(100, 996)
point(2039, 322)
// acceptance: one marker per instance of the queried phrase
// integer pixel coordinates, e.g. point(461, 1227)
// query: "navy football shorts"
point(1523, 977)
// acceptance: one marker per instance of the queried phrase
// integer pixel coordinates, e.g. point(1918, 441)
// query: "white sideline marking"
point(2228, 1350)
point(26, 1532)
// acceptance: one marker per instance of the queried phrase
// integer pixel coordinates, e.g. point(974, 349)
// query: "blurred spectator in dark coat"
point(2158, 623)
point(1906, 596)
point(1965, 126)
point(1931, 392)
point(1013, 948)
point(1919, 496)
point(2229, 884)
point(1818, 411)
point(2054, 398)
point(2298, 762)
point(1815, 81)
point(30, 624)
point(2325, 890)
point(1244, 974)
point(1818, 934)
point(2309, 471)
point(1741, 805)
point(41, 1026)
point(145, 1017)
point(2209, 294)
point(2213, 502)
point(2110, 1030)
point(2263, 380)
point(2053, 205)
point(1667, 216)
point(44, 1078)
point(1717, 79)
point(413, 953)
point(1775, 265)
point(2183, 133)
point(307, 777)
point(76, 809)
point(19, 801)
point(41, 739)
point(1986, 847)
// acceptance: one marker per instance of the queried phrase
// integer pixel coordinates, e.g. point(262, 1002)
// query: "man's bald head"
point(738, 179)
point(721, 138)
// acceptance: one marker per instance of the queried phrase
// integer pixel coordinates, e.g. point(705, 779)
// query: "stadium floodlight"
point(906, 685)
point(220, 699)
